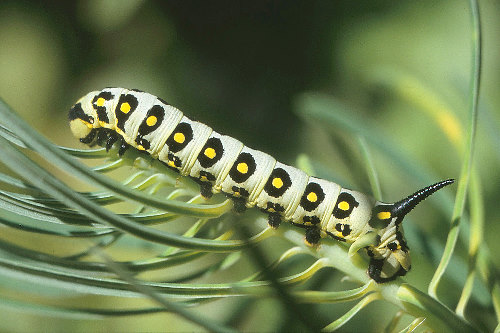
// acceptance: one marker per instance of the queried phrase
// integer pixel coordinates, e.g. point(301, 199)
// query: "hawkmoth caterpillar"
point(220, 163)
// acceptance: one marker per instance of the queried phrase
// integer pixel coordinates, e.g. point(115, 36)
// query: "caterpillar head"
point(390, 258)
point(82, 117)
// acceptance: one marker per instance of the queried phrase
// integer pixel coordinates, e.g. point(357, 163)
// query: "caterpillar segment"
point(220, 163)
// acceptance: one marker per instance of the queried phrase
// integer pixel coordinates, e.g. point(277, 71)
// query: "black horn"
point(403, 207)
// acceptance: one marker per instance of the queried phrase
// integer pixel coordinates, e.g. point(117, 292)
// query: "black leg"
point(102, 136)
point(239, 205)
point(274, 220)
point(90, 137)
point(375, 270)
point(123, 148)
point(313, 235)
point(113, 137)
point(206, 189)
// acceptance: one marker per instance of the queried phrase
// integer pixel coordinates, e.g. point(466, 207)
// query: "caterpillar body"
point(220, 163)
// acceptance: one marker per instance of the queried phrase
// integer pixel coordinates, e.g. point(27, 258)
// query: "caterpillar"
point(220, 163)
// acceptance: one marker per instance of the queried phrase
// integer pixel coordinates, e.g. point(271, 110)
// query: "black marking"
point(393, 246)
point(174, 161)
point(207, 175)
point(121, 116)
point(137, 90)
point(205, 179)
point(143, 143)
point(345, 229)
point(306, 203)
point(77, 112)
point(311, 220)
point(240, 192)
point(377, 223)
point(282, 176)
point(341, 213)
point(216, 145)
point(90, 137)
point(144, 129)
point(102, 115)
point(238, 176)
point(272, 207)
point(335, 236)
point(187, 132)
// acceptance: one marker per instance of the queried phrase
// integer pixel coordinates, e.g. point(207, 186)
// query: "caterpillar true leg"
point(274, 220)
point(313, 236)
point(112, 138)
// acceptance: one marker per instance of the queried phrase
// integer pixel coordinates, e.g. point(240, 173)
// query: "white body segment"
point(356, 221)
point(289, 200)
point(131, 128)
point(248, 175)
point(161, 134)
point(108, 105)
point(192, 143)
point(224, 152)
point(318, 200)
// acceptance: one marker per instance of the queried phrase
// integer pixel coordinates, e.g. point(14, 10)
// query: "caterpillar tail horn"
point(403, 207)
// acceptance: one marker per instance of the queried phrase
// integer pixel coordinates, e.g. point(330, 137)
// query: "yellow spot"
point(384, 215)
point(344, 205)
point(277, 182)
point(151, 121)
point(179, 137)
point(312, 197)
point(140, 147)
point(242, 167)
point(271, 210)
point(100, 101)
point(171, 163)
point(125, 107)
point(210, 153)
point(203, 178)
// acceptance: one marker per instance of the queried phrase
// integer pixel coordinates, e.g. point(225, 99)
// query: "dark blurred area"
point(234, 65)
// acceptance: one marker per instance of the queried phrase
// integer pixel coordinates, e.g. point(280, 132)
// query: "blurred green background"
point(242, 67)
